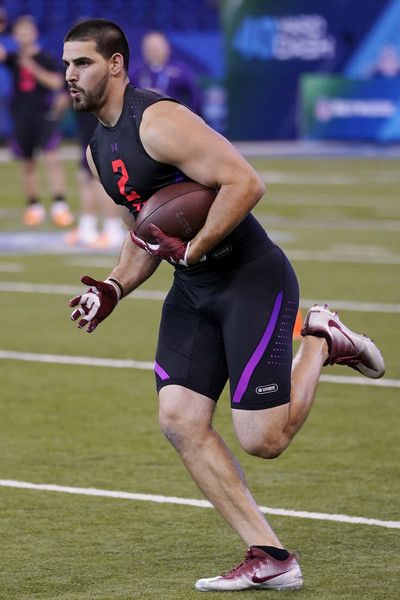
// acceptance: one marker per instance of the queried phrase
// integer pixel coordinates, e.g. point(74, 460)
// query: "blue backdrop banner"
point(344, 108)
point(270, 45)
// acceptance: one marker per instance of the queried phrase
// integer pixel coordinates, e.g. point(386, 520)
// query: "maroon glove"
point(96, 304)
point(168, 248)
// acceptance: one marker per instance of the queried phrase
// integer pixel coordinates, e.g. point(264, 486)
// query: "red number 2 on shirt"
point(118, 166)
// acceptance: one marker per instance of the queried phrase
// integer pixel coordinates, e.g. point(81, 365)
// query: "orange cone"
point(298, 326)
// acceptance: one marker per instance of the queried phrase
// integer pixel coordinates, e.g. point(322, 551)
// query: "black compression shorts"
point(234, 325)
point(32, 133)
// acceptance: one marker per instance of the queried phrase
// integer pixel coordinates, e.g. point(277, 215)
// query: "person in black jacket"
point(36, 78)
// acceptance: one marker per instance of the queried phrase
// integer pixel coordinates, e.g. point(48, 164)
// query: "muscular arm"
point(172, 134)
point(134, 267)
point(49, 79)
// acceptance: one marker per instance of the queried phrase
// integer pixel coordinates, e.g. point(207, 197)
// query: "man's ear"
point(117, 63)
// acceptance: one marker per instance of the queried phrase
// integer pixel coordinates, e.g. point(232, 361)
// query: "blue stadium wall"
point(262, 53)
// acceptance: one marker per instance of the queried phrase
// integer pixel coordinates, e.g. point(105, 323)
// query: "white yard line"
point(88, 361)
point(270, 221)
point(301, 514)
point(71, 290)
point(67, 290)
point(11, 267)
point(352, 380)
point(354, 305)
point(327, 201)
point(343, 257)
point(99, 262)
point(308, 178)
point(116, 363)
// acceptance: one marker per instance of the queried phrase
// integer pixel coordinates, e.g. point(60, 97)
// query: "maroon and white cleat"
point(258, 570)
point(345, 347)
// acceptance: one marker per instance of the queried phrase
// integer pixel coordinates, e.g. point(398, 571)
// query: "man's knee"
point(264, 448)
point(170, 422)
point(185, 417)
point(179, 428)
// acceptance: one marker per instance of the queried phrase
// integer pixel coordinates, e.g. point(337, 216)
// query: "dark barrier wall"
point(270, 44)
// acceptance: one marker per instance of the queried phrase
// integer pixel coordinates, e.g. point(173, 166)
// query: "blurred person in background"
point(9, 44)
point(6, 38)
point(159, 72)
point(94, 202)
point(4, 25)
point(95, 205)
point(387, 63)
point(36, 78)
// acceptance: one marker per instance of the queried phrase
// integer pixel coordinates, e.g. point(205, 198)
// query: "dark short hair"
point(108, 36)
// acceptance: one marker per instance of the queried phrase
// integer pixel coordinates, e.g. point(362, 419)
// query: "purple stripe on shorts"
point(160, 372)
point(258, 352)
point(53, 142)
point(15, 148)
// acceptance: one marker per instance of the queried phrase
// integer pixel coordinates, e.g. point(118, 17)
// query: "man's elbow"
point(256, 187)
point(261, 189)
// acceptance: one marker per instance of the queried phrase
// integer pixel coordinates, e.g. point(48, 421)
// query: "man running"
point(232, 306)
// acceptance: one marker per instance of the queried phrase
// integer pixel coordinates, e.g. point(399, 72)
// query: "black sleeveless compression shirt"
point(130, 176)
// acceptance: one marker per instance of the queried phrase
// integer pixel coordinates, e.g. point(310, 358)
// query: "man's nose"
point(71, 73)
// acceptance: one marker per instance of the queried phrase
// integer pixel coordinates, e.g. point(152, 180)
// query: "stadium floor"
point(79, 412)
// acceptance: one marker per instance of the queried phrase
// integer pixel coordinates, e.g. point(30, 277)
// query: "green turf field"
point(96, 427)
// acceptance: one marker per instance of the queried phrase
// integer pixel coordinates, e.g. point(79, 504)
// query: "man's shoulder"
point(140, 99)
point(143, 93)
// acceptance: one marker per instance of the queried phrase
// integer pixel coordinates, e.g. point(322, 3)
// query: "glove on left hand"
point(96, 304)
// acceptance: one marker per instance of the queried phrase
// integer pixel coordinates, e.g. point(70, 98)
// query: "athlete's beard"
point(92, 100)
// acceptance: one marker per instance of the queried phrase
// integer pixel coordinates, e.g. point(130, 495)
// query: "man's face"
point(156, 49)
point(87, 75)
point(25, 33)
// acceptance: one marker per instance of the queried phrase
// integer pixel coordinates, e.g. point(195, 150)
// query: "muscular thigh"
point(260, 428)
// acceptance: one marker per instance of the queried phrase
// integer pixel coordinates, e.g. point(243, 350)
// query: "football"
point(180, 210)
